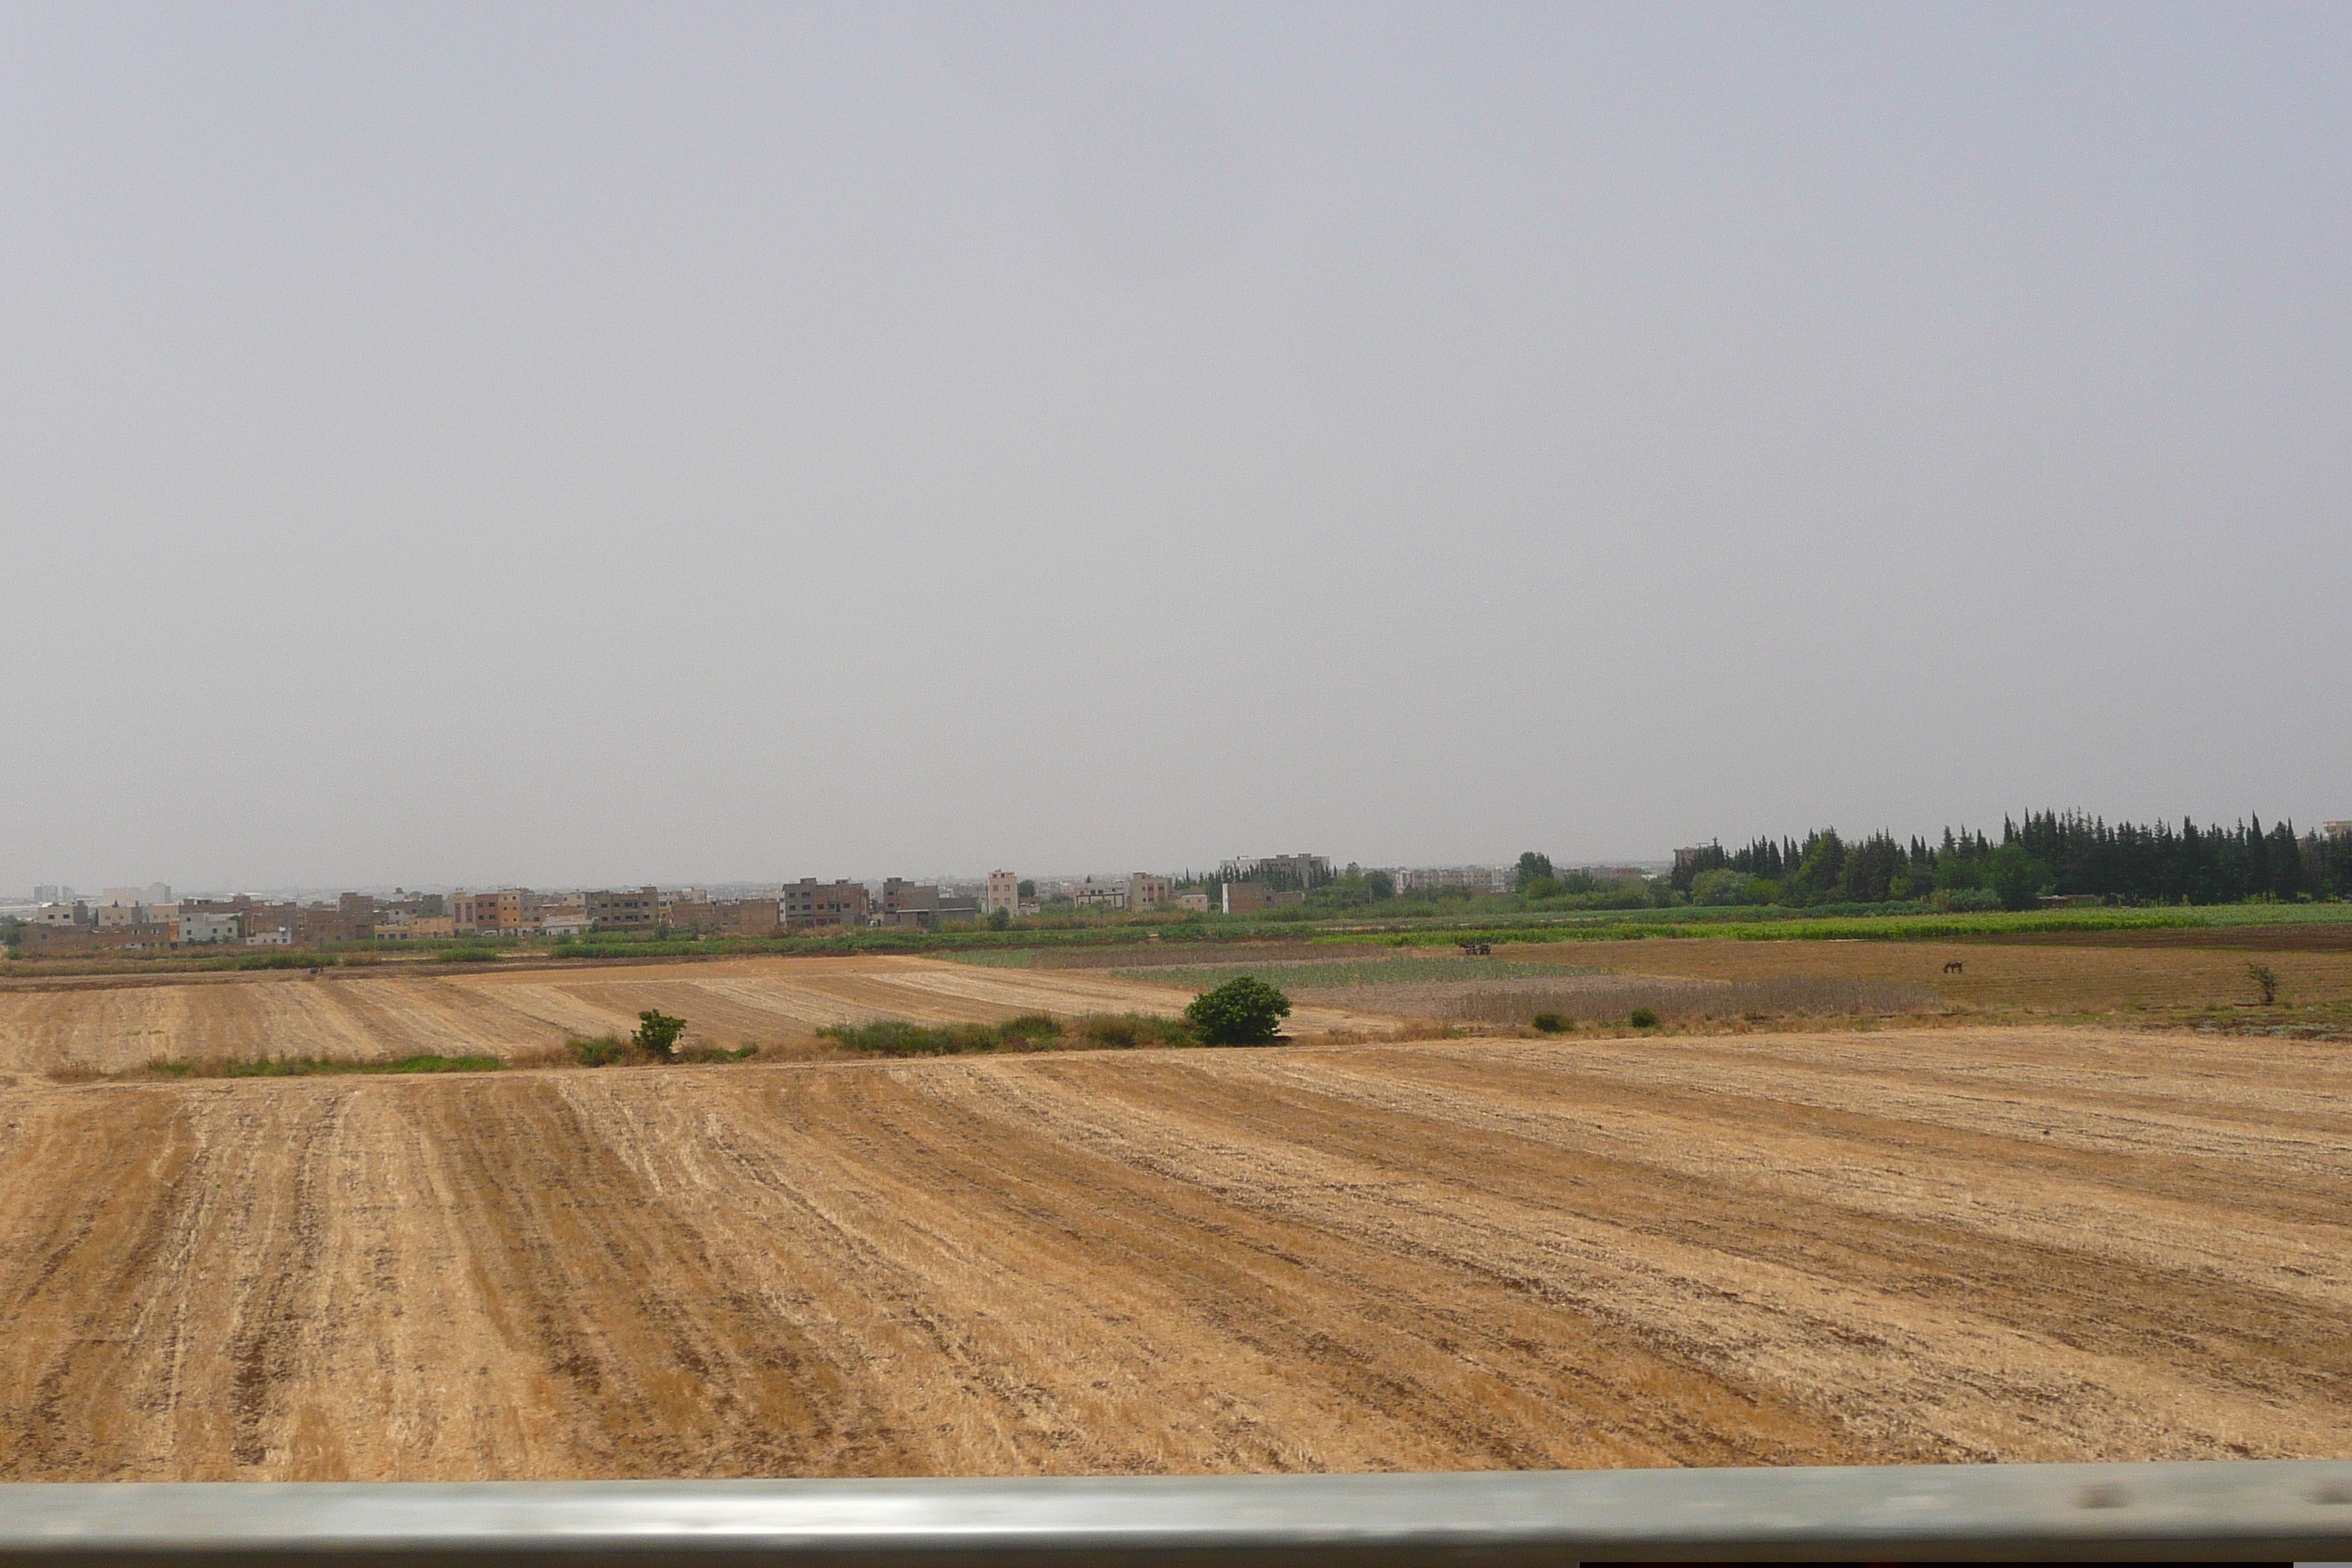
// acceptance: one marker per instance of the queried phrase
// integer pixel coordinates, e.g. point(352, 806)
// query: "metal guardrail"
point(2265, 1511)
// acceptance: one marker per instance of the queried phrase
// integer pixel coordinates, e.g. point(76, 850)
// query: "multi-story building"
point(1479, 878)
point(622, 910)
point(1093, 895)
point(203, 928)
point(56, 914)
point(909, 903)
point(1147, 893)
point(1004, 892)
point(809, 902)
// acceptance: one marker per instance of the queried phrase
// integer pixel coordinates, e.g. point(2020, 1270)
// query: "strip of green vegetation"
point(310, 1067)
point(1030, 1032)
point(1785, 925)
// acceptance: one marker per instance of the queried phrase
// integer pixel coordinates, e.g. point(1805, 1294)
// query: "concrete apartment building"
point(1093, 895)
point(913, 904)
point(1004, 893)
point(203, 928)
point(809, 902)
point(606, 910)
point(1480, 878)
point(1145, 891)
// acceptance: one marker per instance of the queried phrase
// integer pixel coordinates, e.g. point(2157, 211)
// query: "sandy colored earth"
point(112, 1024)
point(1958, 1244)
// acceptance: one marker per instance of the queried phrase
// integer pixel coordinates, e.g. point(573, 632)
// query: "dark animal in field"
point(1954, 967)
point(1478, 949)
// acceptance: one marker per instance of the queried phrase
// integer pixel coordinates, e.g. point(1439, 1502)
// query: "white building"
point(1093, 895)
point(61, 915)
point(280, 937)
point(208, 927)
point(1487, 878)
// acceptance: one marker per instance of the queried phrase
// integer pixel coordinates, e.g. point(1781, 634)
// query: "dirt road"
point(370, 1015)
point(2020, 1244)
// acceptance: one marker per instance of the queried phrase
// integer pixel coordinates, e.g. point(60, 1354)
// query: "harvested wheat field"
point(110, 1023)
point(1958, 1244)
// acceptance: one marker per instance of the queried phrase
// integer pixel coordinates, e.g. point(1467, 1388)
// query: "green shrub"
point(1133, 1031)
point(1643, 1019)
point(470, 955)
point(1029, 1029)
point(1242, 1011)
point(1030, 1032)
point(604, 1052)
point(658, 1035)
point(1549, 1022)
point(309, 1066)
point(718, 1054)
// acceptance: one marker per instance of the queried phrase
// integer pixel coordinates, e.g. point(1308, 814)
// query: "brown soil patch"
point(2019, 1244)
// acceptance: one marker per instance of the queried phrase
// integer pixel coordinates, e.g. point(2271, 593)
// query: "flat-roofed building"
point(1004, 892)
point(611, 909)
point(809, 902)
point(203, 928)
point(1243, 898)
point(907, 904)
point(1145, 891)
point(1093, 895)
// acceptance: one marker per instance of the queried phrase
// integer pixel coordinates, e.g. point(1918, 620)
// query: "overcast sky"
point(494, 444)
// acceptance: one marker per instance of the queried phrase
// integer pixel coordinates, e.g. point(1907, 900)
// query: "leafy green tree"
point(1028, 887)
point(1533, 867)
point(1240, 1012)
point(2013, 874)
point(1000, 920)
point(658, 1035)
point(1723, 886)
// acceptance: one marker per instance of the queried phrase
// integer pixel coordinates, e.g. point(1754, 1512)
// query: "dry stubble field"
point(111, 1023)
point(1966, 1243)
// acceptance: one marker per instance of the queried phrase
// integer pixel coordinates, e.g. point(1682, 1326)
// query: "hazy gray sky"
point(495, 443)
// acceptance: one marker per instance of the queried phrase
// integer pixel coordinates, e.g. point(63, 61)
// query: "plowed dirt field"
point(2013, 1243)
point(110, 1024)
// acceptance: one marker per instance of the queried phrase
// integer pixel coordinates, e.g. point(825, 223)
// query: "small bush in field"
point(1243, 1011)
point(604, 1052)
point(1550, 1024)
point(1643, 1018)
point(658, 1035)
point(1133, 1031)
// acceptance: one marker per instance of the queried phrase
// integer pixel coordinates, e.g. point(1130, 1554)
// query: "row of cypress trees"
point(2048, 852)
